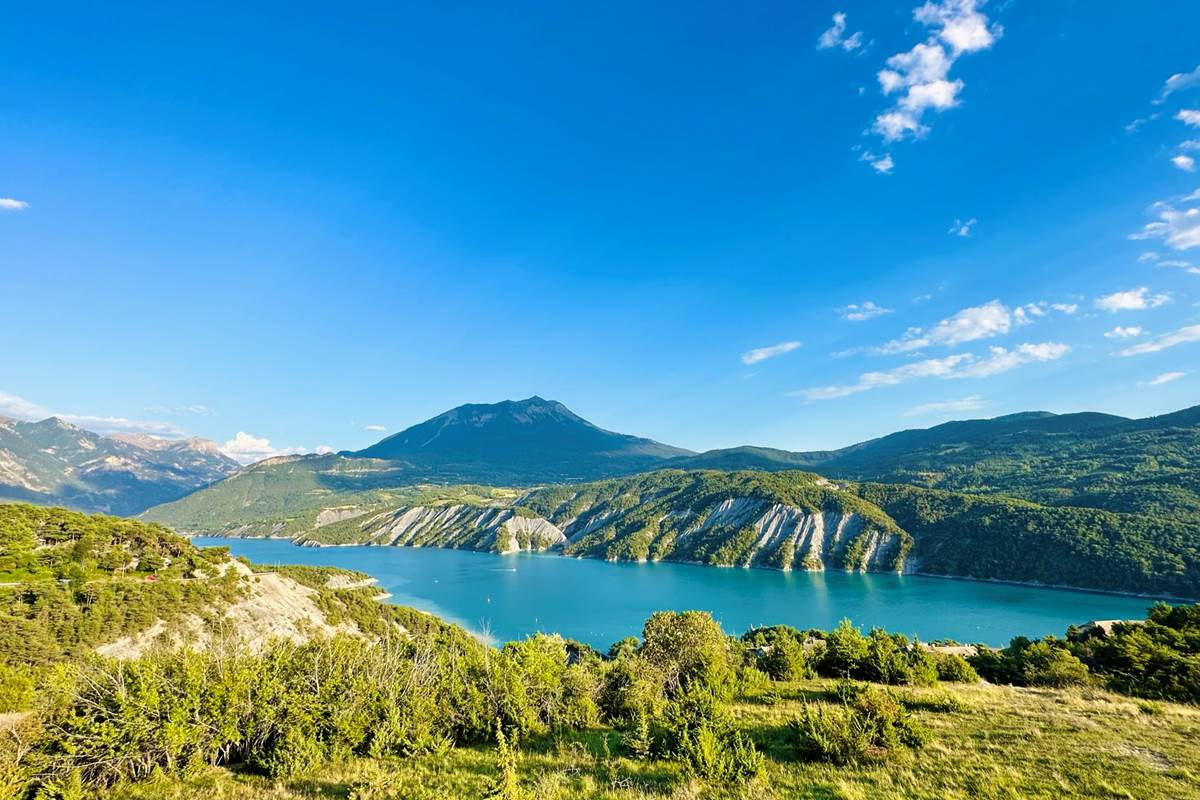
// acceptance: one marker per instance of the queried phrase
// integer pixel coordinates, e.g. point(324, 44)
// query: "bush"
point(786, 659)
point(869, 725)
point(16, 689)
point(719, 756)
point(1043, 664)
point(954, 668)
point(689, 648)
point(1047, 662)
point(845, 649)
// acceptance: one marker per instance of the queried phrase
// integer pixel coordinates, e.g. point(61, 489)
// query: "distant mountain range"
point(1149, 466)
point(53, 462)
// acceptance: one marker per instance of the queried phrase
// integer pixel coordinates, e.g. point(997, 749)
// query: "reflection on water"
point(512, 596)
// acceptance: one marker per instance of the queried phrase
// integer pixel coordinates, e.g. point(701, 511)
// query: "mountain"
point(53, 462)
point(1148, 466)
point(517, 442)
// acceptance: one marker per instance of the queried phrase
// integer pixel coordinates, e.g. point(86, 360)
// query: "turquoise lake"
point(511, 596)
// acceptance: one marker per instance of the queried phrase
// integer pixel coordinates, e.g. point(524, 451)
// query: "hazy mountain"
point(55, 462)
point(518, 442)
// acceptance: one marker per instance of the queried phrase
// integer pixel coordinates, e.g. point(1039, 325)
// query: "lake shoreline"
point(1006, 582)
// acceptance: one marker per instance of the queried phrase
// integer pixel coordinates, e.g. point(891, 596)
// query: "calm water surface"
point(512, 596)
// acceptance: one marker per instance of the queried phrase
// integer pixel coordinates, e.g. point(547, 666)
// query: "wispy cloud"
point(972, 403)
point(1165, 377)
point(1179, 228)
point(1178, 83)
point(374, 428)
point(836, 36)
point(12, 204)
point(1065, 308)
point(1185, 335)
point(1189, 116)
point(857, 312)
point(1138, 299)
point(959, 365)
point(960, 228)
point(1119, 332)
point(969, 325)
point(920, 78)
point(12, 405)
point(1185, 163)
point(763, 353)
point(194, 409)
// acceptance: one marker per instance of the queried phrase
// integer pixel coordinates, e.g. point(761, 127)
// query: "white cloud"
point(374, 428)
point(323, 450)
point(1189, 144)
point(836, 36)
point(970, 324)
point(1185, 163)
point(1002, 360)
point(763, 353)
point(1133, 300)
point(1180, 229)
point(1165, 377)
point(960, 228)
point(19, 408)
point(1189, 116)
point(882, 164)
point(1065, 308)
point(960, 365)
point(246, 449)
point(929, 368)
point(857, 312)
point(1178, 82)
point(1149, 255)
point(920, 76)
point(972, 403)
point(11, 204)
point(1190, 333)
point(1119, 332)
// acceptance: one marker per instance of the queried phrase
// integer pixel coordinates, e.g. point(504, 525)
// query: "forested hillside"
point(373, 701)
point(798, 520)
point(1148, 466)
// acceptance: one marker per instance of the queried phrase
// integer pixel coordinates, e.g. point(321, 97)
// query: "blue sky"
point(700, 222)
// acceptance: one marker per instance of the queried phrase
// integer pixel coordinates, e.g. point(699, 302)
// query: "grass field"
point(987, 742)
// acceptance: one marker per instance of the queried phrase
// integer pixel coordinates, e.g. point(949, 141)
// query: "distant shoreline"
point(1030, 584)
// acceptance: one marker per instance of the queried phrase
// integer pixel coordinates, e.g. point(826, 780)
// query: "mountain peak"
point(534, 440)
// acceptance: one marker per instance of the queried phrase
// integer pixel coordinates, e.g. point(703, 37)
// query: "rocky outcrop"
point(463, 526)
point(272, 607)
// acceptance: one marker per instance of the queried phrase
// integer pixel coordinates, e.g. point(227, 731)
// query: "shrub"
point(845, 650)
point(631, 686)
point(719, 756)
point(786, 659)
point(954, 668)
point(1043, 664)
point(689, 648)
point(867, 726)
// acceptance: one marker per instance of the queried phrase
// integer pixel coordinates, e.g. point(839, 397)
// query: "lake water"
point(512, 596)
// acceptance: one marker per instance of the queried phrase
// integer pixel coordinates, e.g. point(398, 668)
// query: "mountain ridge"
point(55, 462)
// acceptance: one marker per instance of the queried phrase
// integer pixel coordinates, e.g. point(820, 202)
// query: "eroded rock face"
point(460, 526)
point(272, 607)
point(736, 531)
